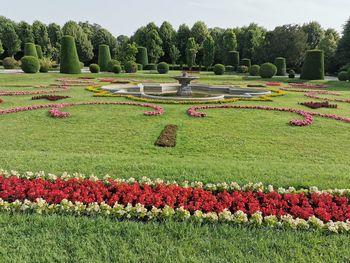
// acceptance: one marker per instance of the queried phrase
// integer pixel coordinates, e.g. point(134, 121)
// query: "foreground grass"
point(228, 145)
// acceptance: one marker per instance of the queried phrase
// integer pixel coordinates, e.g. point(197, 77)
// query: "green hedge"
point(117, 69)
point(219, 69)
point(254, 70)
point(281, 66)
point(163, 68)
point(313, 68)
point(291, 74)
point(30, 64)
point(111, 65)
point(233, 59)
point(130, 67)
point(142, 56)
point(30, 50)
point(94, 68)
point(9, 63)
point(268, 70)
point(151, 67)
point(246, 62)
point(39, 51)
point(70, 63)
point(349, 74)
point(104, 57)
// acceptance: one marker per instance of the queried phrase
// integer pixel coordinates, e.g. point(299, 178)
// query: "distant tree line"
point(198, 45)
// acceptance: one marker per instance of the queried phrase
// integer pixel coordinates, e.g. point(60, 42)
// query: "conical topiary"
point(39, 51)
point(30, 50)
point(313, 67)
point(104, 57)
point(281, 66)
point(233, 59)
point(70, 63)
point(142, 56)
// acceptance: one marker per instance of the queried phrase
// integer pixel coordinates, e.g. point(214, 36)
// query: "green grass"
point(228, 145)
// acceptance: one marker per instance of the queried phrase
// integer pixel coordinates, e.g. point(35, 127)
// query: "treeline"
point(198, 45)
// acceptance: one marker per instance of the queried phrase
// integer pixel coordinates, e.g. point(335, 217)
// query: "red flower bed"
point(50, 97)
point(302, 85)
point(60, 88)
point(324, 206)
point(273, 84)
point(317, 105)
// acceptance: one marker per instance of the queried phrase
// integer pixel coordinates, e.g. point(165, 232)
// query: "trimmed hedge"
point(104, 57)
point(117, 69)
point(111, 64)
point(39, 51)
point(30, 64)
point(229, 68)
point(70, 63)
point(30, 50)
point(268, 70)
point(10, 63)
point(254, 70)
point(233, 59)
point(246, 62)
point(45, 65)
point(163, 68)
point(343, 76)
point(139, 66)
point(130, 67)
point(151, 67)
point(142, 56)
point(242, 69)
point(313, 68)
point(281, 66)
point(349, 74)
point(94, 68)
point(291, 74)
point(219, 69)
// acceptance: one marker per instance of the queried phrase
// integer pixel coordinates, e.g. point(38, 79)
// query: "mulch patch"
point(50, 97)
point(167, 137)
point(317, 105)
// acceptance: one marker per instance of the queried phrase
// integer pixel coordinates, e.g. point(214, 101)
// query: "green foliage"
point(104, 57)
point(349, 74)
point(1, 48)
point(229, 43)
point(30, 50)
point(281, 66)
point(246, 62)
point(192, 50)
point(94, 68)
point(113, 63)
point(81, 64)
point(129, 53)
point(268, 70)
point(208, 51)
point(55, 35)
point(343, 76)
point(9, 63)
point(70, 63)
point(233, 59)
point(181, 38)
point(163, 68)
point(30, 64)
point(151, 67)
point(167, 34)
point(242, 69)
point(329, 46)
point(39, 51)
point(291, 74)
point(314, 33)
point(229, 69)
point(219, 69)
point(174, 54)
point(25, 33)
point(101, 36)
point(142, 56)
point(41, 36)
point(199, 32)
point(10, 39)
point(45, 64)
point(139, 66)
point(116, 69)
point(343, 49)
point(254, 70)
point(313, 67)
point(130, 67)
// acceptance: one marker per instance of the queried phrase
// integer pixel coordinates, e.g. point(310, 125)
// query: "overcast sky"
point(124, 17)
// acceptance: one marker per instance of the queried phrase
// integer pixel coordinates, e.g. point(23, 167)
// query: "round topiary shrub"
point(163, 68)
point(254, 70)
point(313, 67)
point(94, 68)
point(151, 67)
point(81, 65)
point(268, 70)
point(291, 74)
point(39, 51)
point(117, 69)
point(130, 67)
point(70, 63)
point(142, 56)
point(9, 63)
point(139, 66)
point(233, 59)
point(30, 50)
point(112, 63)
point(281, 66)
point(219, 69)
point(30, 64)
point(45, 65)
point(230, 68)
point(343, 76)
point(246, 62)
point(242, 69)
point(104, 57)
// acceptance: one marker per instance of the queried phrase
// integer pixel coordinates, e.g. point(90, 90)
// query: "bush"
point(313, 68)
point(117, 69)
point(69, 57)
point(30, 50)
point(254, 70)
point(219, 69)
point(163, 68)
point(81, 64)
point(9, 63)
point(142, 56)
point(104, 57)
point(246, 62)
point(139, 66)
point(242, 69)
point(343, 76)
point(30, 64)
point(111, 64)
point(94, 68)
point(45, 65)
point(39, 51)
point(229, 68)
point(151, 67)
point(349, 74)
point(291, 74)
point(268, 70)
point(130, 67)
point(281, 66)
point(233, 59)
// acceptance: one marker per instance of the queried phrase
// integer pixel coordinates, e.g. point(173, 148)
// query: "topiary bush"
point(242, 69)
point(291, 74)
point(111, 64)
point(104, 57)
point(151, 67)
point(233, 59)
point(281, 66)
point(70, 63)
point(254, 70)
point(229, 68)
point(343, 76)
point(163, 68)
point(117, 69)
point(30, 50)
point(81, 65)
point(30, 64)
point(349, 74)
point(268, 70)
point(219, 69)
point(9, 63)
point(45, 65)
point(142, 56)
point(39, 51)
point(246, 62)
point(94, 68)
point(139, 66)
point(313, 67)
point(130, 67)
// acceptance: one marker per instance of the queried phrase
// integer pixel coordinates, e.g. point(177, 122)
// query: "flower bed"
point(50, 97)
point(313, 95)
point(302, 85)
point(317, 105)
point(60, 88)
point(167, 137)
point(308, 116)
point(273, 84)
point(252, 204)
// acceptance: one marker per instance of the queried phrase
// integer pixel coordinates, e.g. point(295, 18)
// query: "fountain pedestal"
point(185, 81)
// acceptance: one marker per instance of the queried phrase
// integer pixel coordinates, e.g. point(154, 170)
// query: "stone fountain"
point(185, 81)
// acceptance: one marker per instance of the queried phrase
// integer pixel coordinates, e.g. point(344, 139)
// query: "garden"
point(252, 167)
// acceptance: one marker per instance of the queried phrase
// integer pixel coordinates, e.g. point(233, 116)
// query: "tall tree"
point(1, 48)
point(343, 50)
point(174, 54)
point(218, 34)
point(25, 33)
point(103, 36)
point(191, 50)
point(314, 33)
point(229, 43)
point(10, 39)
point(208, 51)
point(154, 46)
point(181, 38)
point(41, 37)
point(122, 43)
point(167, 34)
point(199, 32)
point(55, 34)
point(329, 45)
point(130, 53)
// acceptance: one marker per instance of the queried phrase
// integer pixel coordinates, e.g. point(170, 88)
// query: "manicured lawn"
point(228, 145)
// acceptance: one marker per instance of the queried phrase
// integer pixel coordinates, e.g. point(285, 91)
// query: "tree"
point(174, 54)
point(208, 51)
point(130, 53)
point(55, 34)
point(218, 34)
point(329, 46)
point(167, 34)
point(41, 37)
point(199, 32)
point(122, 43)
point(192, 50)
point(103, 37)
point(181, 38)
point(343, 50)
point(25, 33)
point(1, 48)
point(314, 33)
point(154, 46)
point(10, 39)
point(229, 43)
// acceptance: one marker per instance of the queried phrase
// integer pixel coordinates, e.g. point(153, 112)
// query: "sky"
point(123, 17)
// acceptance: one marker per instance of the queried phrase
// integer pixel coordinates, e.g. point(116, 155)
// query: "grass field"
point(228, 145)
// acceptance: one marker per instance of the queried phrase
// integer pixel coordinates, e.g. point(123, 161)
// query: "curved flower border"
point(308, 116)
point(60, 88)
